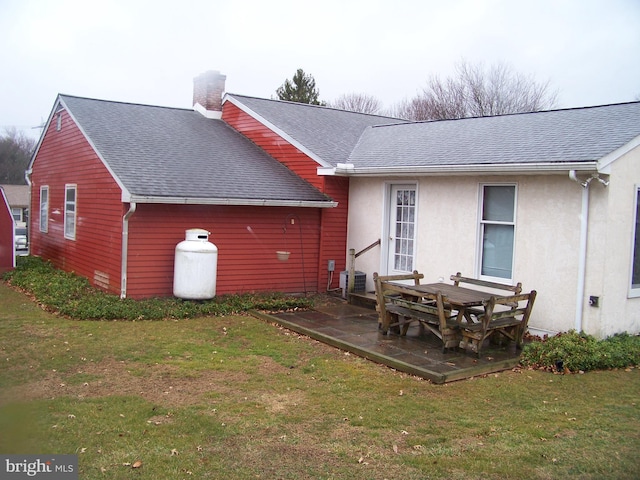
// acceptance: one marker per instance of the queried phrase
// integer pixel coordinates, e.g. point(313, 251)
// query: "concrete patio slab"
point(354, 329)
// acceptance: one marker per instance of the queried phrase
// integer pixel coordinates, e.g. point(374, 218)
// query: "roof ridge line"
point(62, 95)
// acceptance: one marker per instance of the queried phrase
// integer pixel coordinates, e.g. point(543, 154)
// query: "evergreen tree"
point(301, 89)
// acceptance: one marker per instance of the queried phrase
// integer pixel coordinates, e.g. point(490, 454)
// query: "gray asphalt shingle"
point(571, 135)
point(329, 133)
point(171, 152)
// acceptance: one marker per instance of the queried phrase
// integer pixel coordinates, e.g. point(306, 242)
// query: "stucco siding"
point(546, 237)
point(618, 312)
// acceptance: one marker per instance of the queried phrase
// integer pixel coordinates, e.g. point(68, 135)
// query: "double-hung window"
point(70, 205)
point(497, 231)
point(44, 209)
point(634, 288)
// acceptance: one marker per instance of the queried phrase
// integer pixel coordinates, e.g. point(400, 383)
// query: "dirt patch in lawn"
point(160, 384)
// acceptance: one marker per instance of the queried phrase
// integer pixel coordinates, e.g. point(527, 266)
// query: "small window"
point(59, 122)
point(44, 209)
point(635, 267)
point(16, 213)
point(70, 212)
point(497, 231)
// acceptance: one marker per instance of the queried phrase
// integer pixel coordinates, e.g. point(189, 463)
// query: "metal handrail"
point(352, 264)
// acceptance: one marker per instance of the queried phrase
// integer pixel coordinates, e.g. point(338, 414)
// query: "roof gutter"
point(349, 169)
point(125, 249)
point(232, 201)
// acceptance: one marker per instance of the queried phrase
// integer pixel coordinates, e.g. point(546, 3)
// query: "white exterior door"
point(402, 229)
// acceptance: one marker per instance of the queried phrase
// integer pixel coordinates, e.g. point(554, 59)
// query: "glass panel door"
point(402, 222)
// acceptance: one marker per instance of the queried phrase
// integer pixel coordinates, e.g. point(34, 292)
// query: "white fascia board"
point(125, 195)
point(213, 114)
point(604, 164)
point(230, 201)
point(277, 131)
point(493, 169)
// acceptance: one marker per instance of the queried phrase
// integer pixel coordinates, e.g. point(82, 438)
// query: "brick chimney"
point(208, 88)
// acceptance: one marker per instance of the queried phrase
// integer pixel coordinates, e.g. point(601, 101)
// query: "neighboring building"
point(7, 247)
point(18, 198)
point(549, 199)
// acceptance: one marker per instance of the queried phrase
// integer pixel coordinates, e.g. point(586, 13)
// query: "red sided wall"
point(333, 231)
point(273, 144)
point(247, 239)
point(65, 157)
point(333, 244)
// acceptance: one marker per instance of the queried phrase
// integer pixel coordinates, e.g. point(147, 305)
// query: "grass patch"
point(234, 397)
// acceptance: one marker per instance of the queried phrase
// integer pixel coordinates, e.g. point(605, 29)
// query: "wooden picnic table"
point(459, 298)
point(480, 314)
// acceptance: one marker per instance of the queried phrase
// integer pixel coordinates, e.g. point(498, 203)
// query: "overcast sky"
point(149, 51)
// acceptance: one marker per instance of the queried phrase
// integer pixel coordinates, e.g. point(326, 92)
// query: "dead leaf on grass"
point(136, 464)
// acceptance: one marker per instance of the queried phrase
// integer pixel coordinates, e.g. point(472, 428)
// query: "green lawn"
point(237, 398)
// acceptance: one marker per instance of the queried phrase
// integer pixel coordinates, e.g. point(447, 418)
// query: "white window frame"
point(70, 215)
point(482, 223)
point(44, 209)
point(634, 290)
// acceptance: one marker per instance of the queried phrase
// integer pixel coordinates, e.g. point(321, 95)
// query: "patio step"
point(363, 299)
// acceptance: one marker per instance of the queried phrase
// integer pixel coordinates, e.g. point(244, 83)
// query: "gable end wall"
point(65, 157)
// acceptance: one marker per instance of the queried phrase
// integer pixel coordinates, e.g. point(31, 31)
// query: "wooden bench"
point(487, 285)
point(384, 318)
point(505, 315)
point(397, 310)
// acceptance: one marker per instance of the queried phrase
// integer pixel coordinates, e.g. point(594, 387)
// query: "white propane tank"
point(196, 265)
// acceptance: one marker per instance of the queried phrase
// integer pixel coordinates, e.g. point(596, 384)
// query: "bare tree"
point(357, 102)
point(478, 92)
point(15, 153)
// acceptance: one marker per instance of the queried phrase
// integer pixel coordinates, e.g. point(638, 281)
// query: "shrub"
point(581, 352)
point(71, 295)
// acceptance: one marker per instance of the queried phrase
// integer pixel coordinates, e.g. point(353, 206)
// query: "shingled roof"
point(172, 155)
point(327, 135)
point(577, 138)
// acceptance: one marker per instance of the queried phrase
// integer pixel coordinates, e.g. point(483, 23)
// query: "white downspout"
point(584, 231)
point(582, 252)
point(125, 249)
